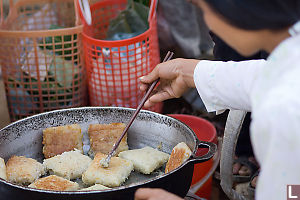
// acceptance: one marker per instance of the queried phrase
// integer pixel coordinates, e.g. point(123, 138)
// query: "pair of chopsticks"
point(105, 163)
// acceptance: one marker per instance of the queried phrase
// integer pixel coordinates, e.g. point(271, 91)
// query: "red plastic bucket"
point(205, 131)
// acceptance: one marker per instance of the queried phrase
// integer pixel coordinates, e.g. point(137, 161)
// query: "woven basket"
point(40, 56)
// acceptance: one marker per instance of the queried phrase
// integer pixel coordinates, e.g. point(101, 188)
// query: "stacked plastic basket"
point(40, 57)
point(113, 67)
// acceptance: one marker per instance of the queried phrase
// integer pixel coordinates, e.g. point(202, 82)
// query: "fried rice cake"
point(96, 187)
point(54, 182)
point(69, 165)
point(57, 140)
point(22, 170)
point(145, 160)
point(180, 153)
point(103, 136)
point(118, 171)
point(2, 169)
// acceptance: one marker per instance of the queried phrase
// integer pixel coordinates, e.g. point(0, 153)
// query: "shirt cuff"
point(204, 78)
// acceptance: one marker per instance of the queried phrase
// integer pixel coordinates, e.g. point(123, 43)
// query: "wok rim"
point(78, 192)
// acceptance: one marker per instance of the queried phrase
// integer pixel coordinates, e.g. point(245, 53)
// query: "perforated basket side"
point(42, 69)
point(113, 67)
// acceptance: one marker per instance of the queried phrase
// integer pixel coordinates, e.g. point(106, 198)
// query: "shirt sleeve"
point(226, 85)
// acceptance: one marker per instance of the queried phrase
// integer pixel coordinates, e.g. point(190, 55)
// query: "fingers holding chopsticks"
point(176, 76)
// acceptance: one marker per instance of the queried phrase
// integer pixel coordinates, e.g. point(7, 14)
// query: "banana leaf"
point(145, 2)
point(56, 41)
point(63, 72)
point(134, 19)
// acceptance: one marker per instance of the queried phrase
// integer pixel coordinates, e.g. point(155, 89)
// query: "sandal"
point(237, 178)
point(244, 161)
point(251, 189)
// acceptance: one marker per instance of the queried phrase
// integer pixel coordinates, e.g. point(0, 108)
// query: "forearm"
point(226, 85)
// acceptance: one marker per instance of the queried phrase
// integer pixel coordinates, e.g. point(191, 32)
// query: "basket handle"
point(11, 4)
point(77, 19)
point(152, 11)
point(84, 9)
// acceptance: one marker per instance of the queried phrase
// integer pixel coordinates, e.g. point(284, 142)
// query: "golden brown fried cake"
point(22, 170)
point(54, 183)
point(180, 153)
point(69, 165)
point(145, 160)
point(57, 140)
point(103, 137)
point(118, 171)
point(96, 187)
point(2, 169)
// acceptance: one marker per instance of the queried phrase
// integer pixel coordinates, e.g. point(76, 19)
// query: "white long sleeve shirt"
point(270, 89)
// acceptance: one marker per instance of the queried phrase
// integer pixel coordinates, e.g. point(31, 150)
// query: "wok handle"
point(212, 149)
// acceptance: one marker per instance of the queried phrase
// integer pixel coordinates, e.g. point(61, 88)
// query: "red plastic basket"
point(113, 67)
point(42, 68)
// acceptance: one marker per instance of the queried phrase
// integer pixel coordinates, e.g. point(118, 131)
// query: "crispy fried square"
point(118, 171)
point(145, 160)
point(22, 170)
point(69, 165)
point(180, 153)
point(57, 140)
point(54, 182)
point(103, 137)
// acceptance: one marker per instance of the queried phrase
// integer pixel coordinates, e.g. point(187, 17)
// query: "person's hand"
point(176, 76)
point(154, 194)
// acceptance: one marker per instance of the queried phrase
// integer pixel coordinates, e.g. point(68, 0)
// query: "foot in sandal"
point(252, 185)
point(244, 168)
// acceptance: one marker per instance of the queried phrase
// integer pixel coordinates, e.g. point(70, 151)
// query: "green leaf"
point(145, 2)
point(62, 71)
point(142, 11)
point(134, 19)
point(119, 24)
point(56, 41)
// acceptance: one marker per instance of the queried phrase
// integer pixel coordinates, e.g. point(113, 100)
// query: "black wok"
point(24, 137)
